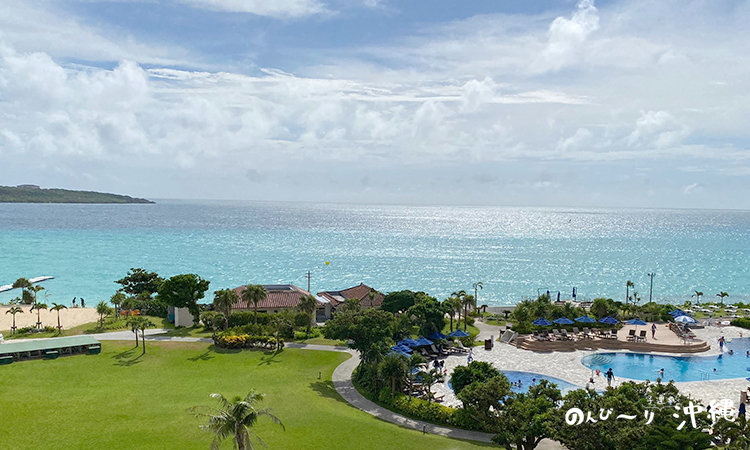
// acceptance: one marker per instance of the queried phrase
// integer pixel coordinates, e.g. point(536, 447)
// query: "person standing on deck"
point(653, 330)
point(610, 377)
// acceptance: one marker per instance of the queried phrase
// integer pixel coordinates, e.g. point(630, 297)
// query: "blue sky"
point(640, 103)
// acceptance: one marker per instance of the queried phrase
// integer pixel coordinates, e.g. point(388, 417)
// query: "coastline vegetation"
point(35, 194)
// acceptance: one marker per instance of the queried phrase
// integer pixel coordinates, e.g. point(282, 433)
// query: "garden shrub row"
point(428, 411)
point(247, 341)
point(741, 322)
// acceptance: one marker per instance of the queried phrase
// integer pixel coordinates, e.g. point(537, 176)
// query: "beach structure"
point(367, 296)
point(283, 297)
point(48, 348)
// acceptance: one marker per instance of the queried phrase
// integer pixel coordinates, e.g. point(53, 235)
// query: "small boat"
point(7, 287)
point(39, 279)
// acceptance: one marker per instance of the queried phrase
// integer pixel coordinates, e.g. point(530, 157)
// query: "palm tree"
point(117, 299)
point(35, 289)
point(698, 295)
point(460, 296)
point(234, 418)
point(133, 324)
point(308, 305)
point(38, 307)
point(429, 378)
point(224, 300)
point(721, 295)
point(468, 302)
point(103, 310)
point(628, 285)
point(393, 369)
point(14, 310)
point(254, 293)
point(478, 285)
point(56, 307)
point(279, 321)
point(142, 323)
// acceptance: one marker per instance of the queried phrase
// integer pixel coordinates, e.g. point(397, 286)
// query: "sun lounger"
point(587, 333)
point(577, 332)
point(537, 336)
point(631, 335)
point(612, 334)
point(565, 334)
point(460, 347)
point(436, 350)
point(642, 336)
point(546, 336)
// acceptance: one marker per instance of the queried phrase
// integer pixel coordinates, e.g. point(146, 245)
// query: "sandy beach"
point(69, 318)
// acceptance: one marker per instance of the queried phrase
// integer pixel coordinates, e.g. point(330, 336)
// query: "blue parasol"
point(541, 322)
point(563, 321)
point(424, 342)
point(586, 319)
point(459, 334)
point(437, 336)
point(408, 342)
point(677, 312)
point(635, 322)
point(609, 320)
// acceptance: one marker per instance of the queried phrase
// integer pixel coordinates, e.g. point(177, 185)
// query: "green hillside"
point(34, 194)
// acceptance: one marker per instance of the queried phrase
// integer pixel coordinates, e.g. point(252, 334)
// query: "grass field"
point(122, 400)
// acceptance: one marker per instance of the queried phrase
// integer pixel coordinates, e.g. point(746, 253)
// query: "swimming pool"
point(640, 366)
point(527, 378)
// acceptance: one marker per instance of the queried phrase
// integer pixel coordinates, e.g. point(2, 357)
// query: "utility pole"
point(308, 276)
point(651, 290)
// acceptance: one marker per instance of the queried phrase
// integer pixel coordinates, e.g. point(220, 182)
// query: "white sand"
point(69, 318)
point(567, 366)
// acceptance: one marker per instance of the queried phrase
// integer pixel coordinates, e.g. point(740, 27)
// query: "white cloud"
point(566, 36)
point(691, 189)
point(657, 129)
point(269, 8)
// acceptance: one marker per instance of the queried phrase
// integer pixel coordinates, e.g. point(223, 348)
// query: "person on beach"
point(74, 301)
point(610, 377)
point(83, 303)
point(742, 410)
point(653, 330)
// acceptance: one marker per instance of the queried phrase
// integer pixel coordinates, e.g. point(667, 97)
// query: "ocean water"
point(515, 252)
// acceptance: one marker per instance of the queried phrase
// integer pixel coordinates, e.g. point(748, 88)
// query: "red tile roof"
point(361, 293)
point(279, 296)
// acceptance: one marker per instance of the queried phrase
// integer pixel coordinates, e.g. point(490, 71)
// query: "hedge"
point(428, 411)
point(742, 322)
point(246, 341)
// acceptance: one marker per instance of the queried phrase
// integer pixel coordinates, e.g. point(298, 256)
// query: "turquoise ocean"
point(515, 252)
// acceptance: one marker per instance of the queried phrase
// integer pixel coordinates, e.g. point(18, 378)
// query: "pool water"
point(640, 366)
point(527, 378)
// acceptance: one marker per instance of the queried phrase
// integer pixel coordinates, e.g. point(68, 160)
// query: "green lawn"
point(122, 400)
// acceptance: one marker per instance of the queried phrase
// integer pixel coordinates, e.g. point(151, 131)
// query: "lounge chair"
point(436, 350)
point(587, 333)
point(577, 332)
point(631, 335)
point(537, 337)
point(460, 347)
point(612, 334)
point(565, 334)
point(642, 336)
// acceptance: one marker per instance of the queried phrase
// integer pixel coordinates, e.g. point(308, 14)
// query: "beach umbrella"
point(437, 336)
point(609, 320)
point(685, 319)
point(541, 322)
point(677, 312)
point(423, 341)
point(586, 319)
point(459, 334)
point(563, 321)
point(408, 342)
point(635, 322)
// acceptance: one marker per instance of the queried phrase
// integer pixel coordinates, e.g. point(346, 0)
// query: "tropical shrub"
point(302, 335)
point(742, 322)
point(228, 340)
point(476, 371)
point(240, 318)
point(212, 320)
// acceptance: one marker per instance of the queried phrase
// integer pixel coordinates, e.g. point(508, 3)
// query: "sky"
point(632, 103)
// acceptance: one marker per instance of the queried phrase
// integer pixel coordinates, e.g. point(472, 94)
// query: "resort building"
point(283, 297)
point(368, 297)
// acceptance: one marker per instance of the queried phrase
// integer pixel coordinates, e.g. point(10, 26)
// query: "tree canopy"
point(184, 291)
point(138, 281)
point(369, 331)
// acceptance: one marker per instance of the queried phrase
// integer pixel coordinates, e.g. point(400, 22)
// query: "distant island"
point(31, 193)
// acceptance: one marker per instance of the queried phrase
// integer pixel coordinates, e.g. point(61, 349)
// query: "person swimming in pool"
point(661, 373)
point(731, 352)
